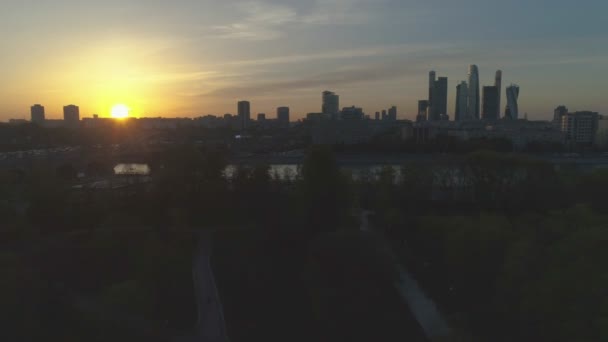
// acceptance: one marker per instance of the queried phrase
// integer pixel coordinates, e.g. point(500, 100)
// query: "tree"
point(324, 192)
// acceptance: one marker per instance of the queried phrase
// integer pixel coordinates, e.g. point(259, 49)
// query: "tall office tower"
point(462, 96)
point(498, 85)
point(558, 113)
point(490, 103)
point(473, 99)
point(392, 113)
point(244, 110)
point(283, 116)
point(37, 114)
point(512, 110)
point(71, 115)
point(377, 117)
point(440, 99)
point(331, 104)
point(384, 115)
point(432, 80)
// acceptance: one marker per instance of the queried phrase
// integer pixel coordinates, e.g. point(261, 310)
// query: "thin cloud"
point(267, 21)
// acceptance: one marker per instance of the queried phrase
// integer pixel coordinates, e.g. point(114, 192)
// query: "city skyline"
point(192, 58)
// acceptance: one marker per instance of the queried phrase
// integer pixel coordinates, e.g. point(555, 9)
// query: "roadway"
point(422, 307)
point(210, 326)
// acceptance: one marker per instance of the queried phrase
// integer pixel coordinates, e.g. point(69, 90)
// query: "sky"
point(187, 58)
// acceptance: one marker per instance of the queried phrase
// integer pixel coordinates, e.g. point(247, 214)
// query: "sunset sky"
point(197, 57)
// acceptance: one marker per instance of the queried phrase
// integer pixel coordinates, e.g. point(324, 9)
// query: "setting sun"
point(120, 111)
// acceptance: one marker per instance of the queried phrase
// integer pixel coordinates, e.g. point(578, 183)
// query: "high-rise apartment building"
point(71, 115)
point(462, 96)
point(283, 116)
point(331, 104)
point(473, 93)
point(244, 113)
point(490, 103)
point(580, 127)
point(37, 112)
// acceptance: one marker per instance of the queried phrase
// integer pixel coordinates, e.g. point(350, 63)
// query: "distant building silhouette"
point(512, 110)
point(261, 117)
point(244, 110)
point(392, 113)
point(498, 85)
point(384, 115)
point(558, 113)
point(423, 106)
point(473, 93)
point(38, 116)
point(462, 96)
point(71, 115)
point(283, 116)
point(438, 97)
point(377, 117)
point(580, 127)
point(432, 80)
point(601, 137)
point(352, 113)
point(331, 104)
point(490, 103)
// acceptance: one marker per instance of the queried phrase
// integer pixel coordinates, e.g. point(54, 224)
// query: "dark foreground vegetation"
point(510, 248)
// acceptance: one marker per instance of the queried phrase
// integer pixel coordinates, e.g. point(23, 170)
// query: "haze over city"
point(190, 58)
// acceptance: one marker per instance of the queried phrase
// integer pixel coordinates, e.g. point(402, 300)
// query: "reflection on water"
point(290, 171)
point(282, 171)
point(132, 170)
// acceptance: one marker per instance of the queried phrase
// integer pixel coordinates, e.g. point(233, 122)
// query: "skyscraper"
point(392, 113)
point(512, 110)
point(490, 103)
point(498, 85)
point(440, 98)
point(71, 115)
point(384, 115)
point(244, 110)
point(377, 117)
point(283, 116)
point(432, 79)
point(331, 104)
point(462, 96)
point(37, 114)
point(473, 96)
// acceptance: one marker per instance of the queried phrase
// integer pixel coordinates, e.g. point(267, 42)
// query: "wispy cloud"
point(263, 20)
